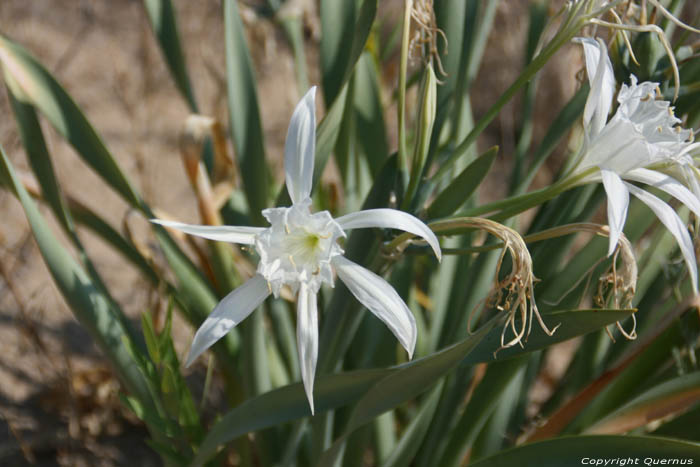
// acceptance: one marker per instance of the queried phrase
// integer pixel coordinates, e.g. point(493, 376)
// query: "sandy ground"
point(104, 54)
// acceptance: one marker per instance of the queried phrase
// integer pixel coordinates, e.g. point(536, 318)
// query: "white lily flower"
point(300, 250)
point(642, 137)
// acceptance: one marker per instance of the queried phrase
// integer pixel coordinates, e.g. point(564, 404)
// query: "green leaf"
point(481, 405)
point(370, 129)
point(92, 309)
point(405, 383)
point(289, 402)
point(574, 449)
point(43, 91)
point(161, 15)
point(461, 188)
point(660, 401)
point(327, 133)
point(686, 426)
point(286, 404)
point(244, 113)
point(150, 336)
point(345, 27)
point(415, 432)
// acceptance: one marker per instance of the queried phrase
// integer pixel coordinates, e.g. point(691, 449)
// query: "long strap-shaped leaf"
point(162, 18)
point(42, 91)
point(289, 402)
point(244, 113)
point(90, 306)
point(573, 450)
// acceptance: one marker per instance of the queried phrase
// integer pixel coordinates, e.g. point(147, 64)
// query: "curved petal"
point(222, 233)
point(307, 339)
point(390, 219)
point(602, 80)
point(381, 299)
point(668, 184)
point(675, 225)
point(299, 149)
point(618, 202)
point(234, 308)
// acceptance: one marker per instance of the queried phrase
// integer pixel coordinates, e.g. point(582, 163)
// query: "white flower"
point(642, 139)
point(300, 250)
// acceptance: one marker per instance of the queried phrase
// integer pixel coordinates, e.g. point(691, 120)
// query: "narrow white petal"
point(299, 149)
point(223, 233)
point(381, 299)
point(675, 225)
point(234, 308)
point(390, 219)
point(602, 80)
point(668, 184)
point(618, 202)
point(307, 339)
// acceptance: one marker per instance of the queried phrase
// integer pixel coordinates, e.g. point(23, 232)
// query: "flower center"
point(298, 247)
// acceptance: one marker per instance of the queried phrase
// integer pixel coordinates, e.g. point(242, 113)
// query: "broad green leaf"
point(686, 426)
point(244, 113)
point(327, 133)
point(92, 309)
point(573, 450)
point(37, 152)
point(370, 130)
point(149, 335)
point(331, 391)
point(571, 324)
point(481, 405)
point(161, 15)
point(461, 188)
point(660, 401)
point(286, 404)
point(402, 385)
point(345, 27)
point(415, 432)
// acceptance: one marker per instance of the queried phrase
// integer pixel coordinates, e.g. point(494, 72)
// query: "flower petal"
point(307, 339)
point(668, 184)
point(381, 299)
point(223, 233)
point(390, 219)
point(618, 202)
point(299, 149)
point(234, 308)
point(675, 225)
point(602, 79)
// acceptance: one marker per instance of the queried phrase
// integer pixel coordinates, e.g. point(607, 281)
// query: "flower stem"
point(403, 65)
point(564, 36)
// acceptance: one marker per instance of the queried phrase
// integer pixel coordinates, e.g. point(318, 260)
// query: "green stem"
point(514, 205)
point(542, 58)
point(403, 158)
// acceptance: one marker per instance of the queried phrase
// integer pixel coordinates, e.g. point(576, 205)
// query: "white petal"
point(602, 80)
point(618, 202)
point(675, 225)
point(381, 299)
point(223, 233)
point(234, 308)
point(299, 149)
point(390, 219)
point(668, 184)
point(307, 339)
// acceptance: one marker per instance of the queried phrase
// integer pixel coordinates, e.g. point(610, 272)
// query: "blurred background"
point(59, 404)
